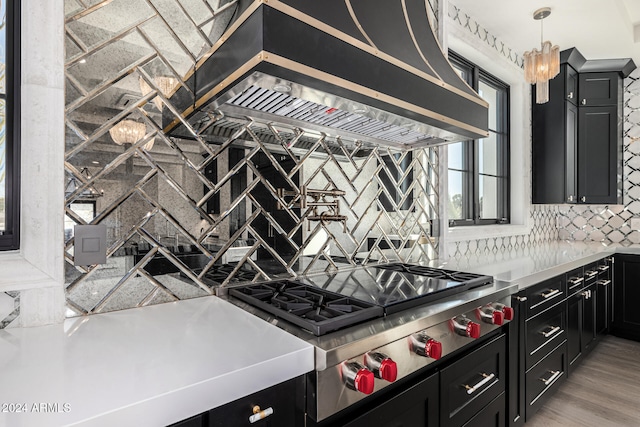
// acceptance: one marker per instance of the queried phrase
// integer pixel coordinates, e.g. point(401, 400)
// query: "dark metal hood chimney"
point(371, 70)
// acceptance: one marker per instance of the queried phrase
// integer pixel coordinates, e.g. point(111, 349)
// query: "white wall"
point(37, 268)
point(467, 43)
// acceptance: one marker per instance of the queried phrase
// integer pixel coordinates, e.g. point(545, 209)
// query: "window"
point(9, 124)
point(478, 170)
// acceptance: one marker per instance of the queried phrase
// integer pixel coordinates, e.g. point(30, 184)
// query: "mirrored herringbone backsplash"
point(249, 201)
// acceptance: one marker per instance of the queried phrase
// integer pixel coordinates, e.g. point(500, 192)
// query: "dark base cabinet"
point(197, 421)
point(286, 399)
point(470, 391)
point(565, 318)
point(417, 406)
point(626, 294)
point(492, 415)
point(471, 383)
point(544, 378)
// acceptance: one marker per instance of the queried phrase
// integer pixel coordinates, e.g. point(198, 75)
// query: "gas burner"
point(470, 279)
point(219, 273)
point(311, 308)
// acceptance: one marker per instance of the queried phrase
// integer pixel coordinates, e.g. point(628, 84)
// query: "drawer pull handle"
point(550, 332)
point(552, 378)
point(521, 299)
point(576, 280)
point(259, 414)
point(603, 282)
point(591, 273)
point(550, 293)
point(486, 379)
point(603, 267)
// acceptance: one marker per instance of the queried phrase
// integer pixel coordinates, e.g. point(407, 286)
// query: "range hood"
point(371, 70)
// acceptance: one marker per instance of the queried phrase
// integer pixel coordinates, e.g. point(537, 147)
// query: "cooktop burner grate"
point(316, 310)
point(470, 279)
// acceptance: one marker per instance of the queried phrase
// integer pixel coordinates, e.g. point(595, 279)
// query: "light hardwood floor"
point(603, 391)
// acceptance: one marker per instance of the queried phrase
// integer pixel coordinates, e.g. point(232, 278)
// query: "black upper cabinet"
point(554, 138)
point(577, 135)
point(599, 155)
point(599, 89)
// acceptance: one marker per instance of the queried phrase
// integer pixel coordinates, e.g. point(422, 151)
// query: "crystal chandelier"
point(130, 132)
point(165, 84)
point(542, 65)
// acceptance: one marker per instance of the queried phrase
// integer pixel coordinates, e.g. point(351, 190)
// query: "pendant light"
point(542, 65)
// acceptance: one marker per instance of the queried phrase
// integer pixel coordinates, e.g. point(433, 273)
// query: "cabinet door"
point(598, 155)
point(626, 294)
point(597, 89)
point(417, 406)
point(491, 416)
point(574, 328)
point(588, 318)
point(548, 148)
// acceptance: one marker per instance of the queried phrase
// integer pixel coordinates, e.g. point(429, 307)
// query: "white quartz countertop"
point(149, 366)
point(528, 265)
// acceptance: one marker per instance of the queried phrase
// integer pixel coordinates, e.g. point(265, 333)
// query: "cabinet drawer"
point(575, 280)
point(472, 382)
point(590, 273)
point(544, 378)
point(604, 269)
point(415, 406)
point(545, 332)
point(545, 294)
point(491, 416)
point(286, 399)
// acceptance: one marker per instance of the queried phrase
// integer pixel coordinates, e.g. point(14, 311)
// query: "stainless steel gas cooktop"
point(325, 303)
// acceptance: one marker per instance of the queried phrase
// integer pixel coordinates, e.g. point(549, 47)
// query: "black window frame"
point(471, 152)
point(10, 237)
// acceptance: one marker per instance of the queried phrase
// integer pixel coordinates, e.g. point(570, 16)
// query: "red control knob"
point(473, 330)
point(508, 312)
point(498, 318)
point(364, 381)
point(388, 370)
point(423, 345)
point(381, 365)
point(357, 377)
point(461, 325)
point(433, 349)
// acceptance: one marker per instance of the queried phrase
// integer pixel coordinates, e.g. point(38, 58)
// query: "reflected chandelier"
point(165, 84)
point(542, 65)
point(130, 132)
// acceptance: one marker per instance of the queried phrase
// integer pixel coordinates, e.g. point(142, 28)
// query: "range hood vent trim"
point(221, 75)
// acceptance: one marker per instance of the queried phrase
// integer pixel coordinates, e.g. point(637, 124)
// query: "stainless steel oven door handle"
point(552, 378)
point(550, 332)
point(486, 379)
point(550, 293)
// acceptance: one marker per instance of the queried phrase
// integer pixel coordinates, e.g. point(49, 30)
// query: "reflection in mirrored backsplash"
point(243, 202)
